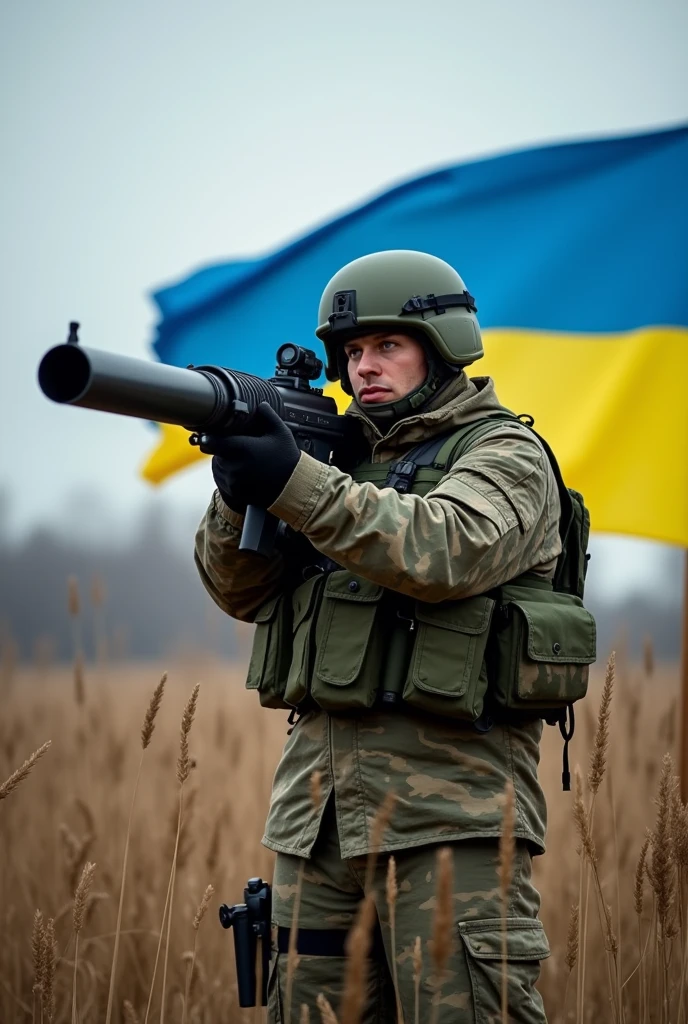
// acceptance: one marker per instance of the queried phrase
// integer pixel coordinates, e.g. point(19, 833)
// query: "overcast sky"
point(143, 139)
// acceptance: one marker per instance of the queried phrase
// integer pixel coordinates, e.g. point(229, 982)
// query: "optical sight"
point(300, 362)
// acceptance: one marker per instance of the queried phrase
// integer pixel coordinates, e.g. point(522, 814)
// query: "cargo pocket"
point(349, 649)
point(271, 652)
point(305, 600)
point(447, 675)
point(526, 946)
point(545, 643)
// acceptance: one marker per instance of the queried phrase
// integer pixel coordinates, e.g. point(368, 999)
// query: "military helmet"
point(401, 290)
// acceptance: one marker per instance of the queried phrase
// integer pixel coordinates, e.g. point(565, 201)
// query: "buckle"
point(401, 476)
point(344, 321)
point(439, 303)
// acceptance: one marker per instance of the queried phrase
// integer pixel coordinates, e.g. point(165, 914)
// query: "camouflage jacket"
point(494, 515)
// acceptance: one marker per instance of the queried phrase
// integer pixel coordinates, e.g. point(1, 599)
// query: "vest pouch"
point(304, 604)
point(271, 652)
point(346, 675)
point(544, 643)
point(446, 675)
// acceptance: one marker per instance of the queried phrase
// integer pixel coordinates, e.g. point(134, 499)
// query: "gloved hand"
point(253, 468)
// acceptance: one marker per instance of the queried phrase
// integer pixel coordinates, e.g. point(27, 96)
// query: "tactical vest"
point(345, 644)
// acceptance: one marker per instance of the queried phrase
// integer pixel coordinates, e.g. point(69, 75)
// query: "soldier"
point(385, 628)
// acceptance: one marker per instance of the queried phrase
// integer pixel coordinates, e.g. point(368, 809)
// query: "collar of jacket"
point(463, 400)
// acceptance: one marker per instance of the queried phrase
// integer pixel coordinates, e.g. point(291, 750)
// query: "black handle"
point(259, 531)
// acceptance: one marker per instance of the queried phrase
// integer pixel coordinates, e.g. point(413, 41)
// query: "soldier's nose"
point(367, 367)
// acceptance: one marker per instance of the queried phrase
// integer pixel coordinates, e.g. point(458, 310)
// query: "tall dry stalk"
point(377, 832)
point(327, 1014)
point(21, 773)
point(617, 881)
point(571, 957)
point(678, 830)
point(183, 770)
point(146, 734)
point(304, 1014)
point(663, 877)
point(443, 923)
point(200, 914)
point(360, 938)
point(391, 894)
point(588, 851)
point(184, 766)
point(638, 907)
point(600, 749)
point(130, 1014)
point(49, 967)
point(37, 956)
point(504, 872)
point(80, 902)
point(596, 772)
point(358, 946)
point(417, 974)
point(679, 844)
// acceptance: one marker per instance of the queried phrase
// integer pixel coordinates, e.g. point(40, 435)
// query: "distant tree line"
point(142, 597)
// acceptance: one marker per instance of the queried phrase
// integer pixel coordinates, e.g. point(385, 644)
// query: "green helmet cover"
point(400, 290)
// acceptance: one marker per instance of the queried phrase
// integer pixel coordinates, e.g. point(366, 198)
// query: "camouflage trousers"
point(469, 990)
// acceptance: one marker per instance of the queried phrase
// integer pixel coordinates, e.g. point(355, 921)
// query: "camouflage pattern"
point(493, 516)
point(471, 987)
point(543, 684)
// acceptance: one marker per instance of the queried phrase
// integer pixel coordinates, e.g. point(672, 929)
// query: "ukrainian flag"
point(578, 257)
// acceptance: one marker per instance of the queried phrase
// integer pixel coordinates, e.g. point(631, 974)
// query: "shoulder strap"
point(403, 472)
point(463, 438)
point(441, 451)
point(574, 521)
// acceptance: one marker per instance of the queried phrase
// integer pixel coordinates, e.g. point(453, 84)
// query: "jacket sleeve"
point(494, 515)
point(239, 582)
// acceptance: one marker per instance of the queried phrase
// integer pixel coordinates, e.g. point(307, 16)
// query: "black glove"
point(253, 468)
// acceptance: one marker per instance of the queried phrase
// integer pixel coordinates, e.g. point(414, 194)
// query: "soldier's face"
point(384, 367)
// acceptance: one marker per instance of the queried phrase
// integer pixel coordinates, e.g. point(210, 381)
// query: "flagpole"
point(683, 752)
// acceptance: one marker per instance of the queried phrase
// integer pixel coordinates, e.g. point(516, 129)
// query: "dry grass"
point(442, 942)
point(59, 819)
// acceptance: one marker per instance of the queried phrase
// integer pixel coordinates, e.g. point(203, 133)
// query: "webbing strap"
point(438, 451)
point(326, 942)
point(402, 473)
point(461, 441)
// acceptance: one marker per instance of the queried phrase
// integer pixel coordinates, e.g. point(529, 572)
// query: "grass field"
point(72, 808)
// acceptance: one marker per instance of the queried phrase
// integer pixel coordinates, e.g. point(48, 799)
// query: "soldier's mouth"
point(373, 394)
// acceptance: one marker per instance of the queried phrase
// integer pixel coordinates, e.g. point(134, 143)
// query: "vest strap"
point(402, 474)
point(439, 452)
